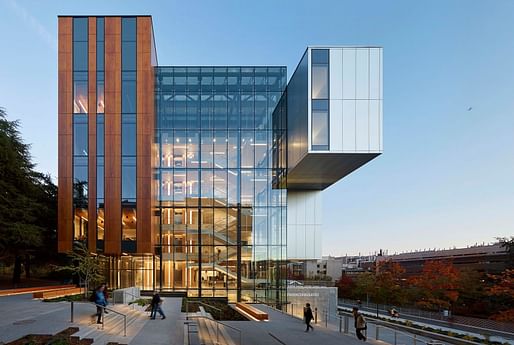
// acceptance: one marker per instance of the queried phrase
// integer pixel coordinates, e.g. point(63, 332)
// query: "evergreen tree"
point(28, 202)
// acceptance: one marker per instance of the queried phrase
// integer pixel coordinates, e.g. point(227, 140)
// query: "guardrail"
point(103, 315)
point(380, 330)
point(204, 304)
point(218, 323)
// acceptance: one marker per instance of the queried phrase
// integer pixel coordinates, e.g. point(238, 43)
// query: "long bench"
point(252, 311)
point(20, 291)
point(57, 293)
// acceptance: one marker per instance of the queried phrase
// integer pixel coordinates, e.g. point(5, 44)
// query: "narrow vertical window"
point(319, 105)
point(80, 128)
point(128, 132)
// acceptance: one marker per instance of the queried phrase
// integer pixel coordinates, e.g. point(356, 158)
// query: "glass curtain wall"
point(223, 225)
point(100, 130)
point(128, 133)
point(320, 92)
point(80, 128)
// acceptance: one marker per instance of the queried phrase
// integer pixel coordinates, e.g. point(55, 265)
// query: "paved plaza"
point(23, 315)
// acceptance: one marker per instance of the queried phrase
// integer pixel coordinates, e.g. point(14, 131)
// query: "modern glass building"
point(204, 180)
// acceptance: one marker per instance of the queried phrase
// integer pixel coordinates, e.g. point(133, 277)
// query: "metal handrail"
point(217, 327)
point(103, 315)
point(380, 324)
point(131, 294)
point(204, 304)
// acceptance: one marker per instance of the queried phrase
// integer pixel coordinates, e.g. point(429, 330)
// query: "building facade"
point(202, 180)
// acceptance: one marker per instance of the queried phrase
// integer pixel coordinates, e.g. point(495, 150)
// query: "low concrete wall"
point(126, 295)
point(321, 298)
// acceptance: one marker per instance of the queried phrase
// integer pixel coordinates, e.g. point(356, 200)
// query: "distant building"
point(331, 266)
point(482, 258)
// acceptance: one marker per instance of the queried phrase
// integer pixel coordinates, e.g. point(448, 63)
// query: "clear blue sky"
point(446, 177)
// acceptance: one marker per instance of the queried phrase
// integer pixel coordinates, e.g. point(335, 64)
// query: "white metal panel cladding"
point(349, 55)
point(349, 143)
point(336, 124)
point(336, 71)
point(304, 221)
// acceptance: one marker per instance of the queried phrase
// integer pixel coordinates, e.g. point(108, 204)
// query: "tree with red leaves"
point(437, 287)
point(503, 287)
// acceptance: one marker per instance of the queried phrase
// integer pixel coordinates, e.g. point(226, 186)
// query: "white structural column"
point(304, 221)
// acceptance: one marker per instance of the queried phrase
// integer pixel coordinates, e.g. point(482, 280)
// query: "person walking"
point(156, 306)
point(360, 324)
point(307, 316)
point(100, 302)
point(106, 296)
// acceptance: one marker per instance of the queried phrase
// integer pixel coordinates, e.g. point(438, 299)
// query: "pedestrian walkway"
point(167, 331)
point(285, 329)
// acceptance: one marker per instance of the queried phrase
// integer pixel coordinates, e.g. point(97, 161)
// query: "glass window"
point(100, 57)
point(80, 56)
point(80, 29)
point(129, 222)
point(99, 179)
point(128, 135)
point(320, 81)
point(128, 29)
point(128, 94)
point(320, 135)
point(100, 135)
point(80, 135)
point(100, 100)
point(100, 26)
point(80, 93)
point(128, 56)
point(319, 56)
point(193, 149)
point(128, 182)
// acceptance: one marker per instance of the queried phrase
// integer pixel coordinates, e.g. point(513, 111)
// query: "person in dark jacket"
point(307, 316)
point(156, 306)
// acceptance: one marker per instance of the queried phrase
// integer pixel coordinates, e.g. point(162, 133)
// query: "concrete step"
point(211, 332)
point(113, 330)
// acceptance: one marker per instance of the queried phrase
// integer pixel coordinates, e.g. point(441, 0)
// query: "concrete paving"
point(21, 315)
point(164, 332)
point(285, 329)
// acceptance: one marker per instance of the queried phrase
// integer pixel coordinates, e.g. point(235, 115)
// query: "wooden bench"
point(252, 311)
point(57, 293)
point(20, 291)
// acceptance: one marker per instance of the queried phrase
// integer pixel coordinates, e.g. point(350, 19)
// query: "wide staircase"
point(202, 329)
point(120, 325)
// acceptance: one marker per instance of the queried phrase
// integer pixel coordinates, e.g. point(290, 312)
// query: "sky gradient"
point(446, 177)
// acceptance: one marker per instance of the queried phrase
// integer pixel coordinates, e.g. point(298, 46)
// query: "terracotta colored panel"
point(65, 192)
point(145, 233)
point(112, 243)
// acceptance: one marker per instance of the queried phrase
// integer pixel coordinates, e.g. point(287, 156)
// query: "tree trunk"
point(27, 266)
point(16, 274)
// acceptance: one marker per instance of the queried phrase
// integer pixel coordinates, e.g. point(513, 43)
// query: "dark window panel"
point(80, 135)
point(100, 56)
point(80, 29)
point(128, 182)
point(319, 56)
point(128, 135)
point(80, 56)
point(128, 29)
point(128, 96)
point(100, 126)
point(128, 56)
point(100, 29)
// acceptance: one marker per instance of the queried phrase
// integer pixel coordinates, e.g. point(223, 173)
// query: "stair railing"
point(103, 308)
